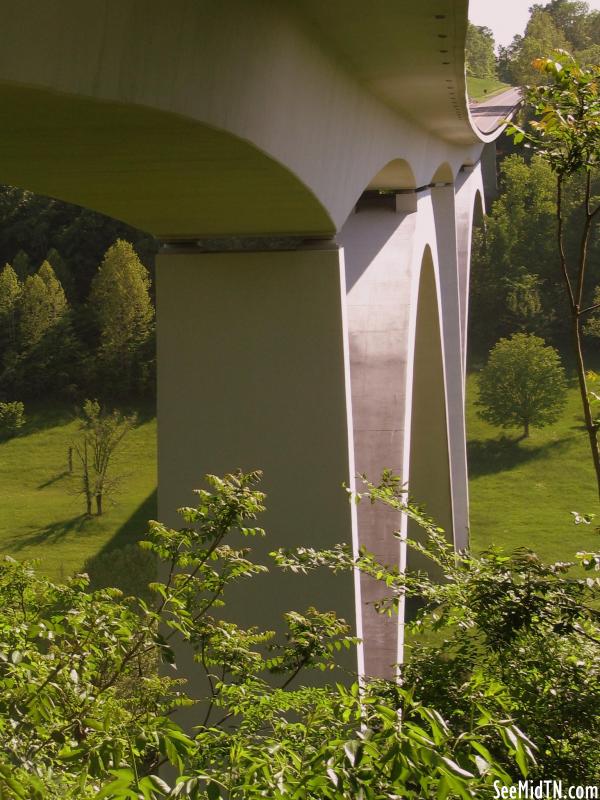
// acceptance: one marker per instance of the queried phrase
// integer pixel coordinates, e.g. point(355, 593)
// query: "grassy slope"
point(40, 517)
point(522, 493)
point(482, 88)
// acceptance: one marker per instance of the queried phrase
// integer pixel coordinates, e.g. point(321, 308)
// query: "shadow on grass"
point(121, 563)
point(51, 534)
point(54, 479)
point(135, 527)
point(488, 456)
point(40, 419)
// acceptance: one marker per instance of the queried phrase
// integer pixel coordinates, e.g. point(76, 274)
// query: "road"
point(488, 114)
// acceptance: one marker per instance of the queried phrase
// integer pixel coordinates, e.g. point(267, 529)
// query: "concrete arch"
point(470, 206)
point(429, 481)
point(253, 70)
point(158, 171)
point(396, 174)
point(443, 174)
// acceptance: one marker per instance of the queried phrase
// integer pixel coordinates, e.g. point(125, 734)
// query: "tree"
point(480, 57)
point(43, 304)
point(10, 293)
point(84, 715)
point(522, 384)
point(62, 271)
point(565, 132)
point(22, 264)
point(100, 436)
point(573, 19)
point(514, 276)
point(541, 36)
point(120, 298)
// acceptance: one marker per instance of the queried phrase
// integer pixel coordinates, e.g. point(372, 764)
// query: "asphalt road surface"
point(489, 114)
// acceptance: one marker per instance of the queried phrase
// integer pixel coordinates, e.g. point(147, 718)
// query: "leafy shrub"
point(12, 418)
point(508, 633)
point(84, 715)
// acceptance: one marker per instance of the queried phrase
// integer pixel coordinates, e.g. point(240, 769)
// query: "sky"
point(506, 17)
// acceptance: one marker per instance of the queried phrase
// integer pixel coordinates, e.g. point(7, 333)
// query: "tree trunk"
point(99, 505)
point(574, 298)
point(526, 429)
point(591, 428)
point(88, 504)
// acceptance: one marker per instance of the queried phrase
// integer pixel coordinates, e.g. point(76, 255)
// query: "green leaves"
point(523, 383)
point(84, 714)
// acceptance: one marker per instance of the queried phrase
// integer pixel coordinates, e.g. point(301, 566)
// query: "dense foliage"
point(76, 310)
point(558, 24)
point(508, 634)
point(479, 52)
point(83, 713)
point(12, 418)
point(565, 133)
point(516, 282)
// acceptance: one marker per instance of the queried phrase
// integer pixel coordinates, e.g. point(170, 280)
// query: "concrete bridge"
point(313, 172)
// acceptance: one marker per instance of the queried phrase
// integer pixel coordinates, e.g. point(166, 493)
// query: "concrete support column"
point(253, 373)
point(380, 252)
point(451, 345)
point(469, 204)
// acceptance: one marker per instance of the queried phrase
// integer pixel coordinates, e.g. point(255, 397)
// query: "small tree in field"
point(522, 384)
point(101, 434)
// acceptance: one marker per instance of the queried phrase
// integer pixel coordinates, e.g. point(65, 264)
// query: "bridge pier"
point(315, 360)
point(253, 373)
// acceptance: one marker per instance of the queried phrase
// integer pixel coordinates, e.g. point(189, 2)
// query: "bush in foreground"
point(84, 713)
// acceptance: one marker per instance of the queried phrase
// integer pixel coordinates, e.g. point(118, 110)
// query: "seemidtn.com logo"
point(545, 790)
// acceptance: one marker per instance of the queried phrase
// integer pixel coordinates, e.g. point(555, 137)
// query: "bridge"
point(313, 172)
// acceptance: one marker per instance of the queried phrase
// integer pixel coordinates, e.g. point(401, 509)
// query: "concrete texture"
point(194, 118)
point(263, 129)
point(253, 364)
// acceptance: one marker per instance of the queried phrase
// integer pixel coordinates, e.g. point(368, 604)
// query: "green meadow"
point(41, 514)
point(482, 88)
point(522, 492)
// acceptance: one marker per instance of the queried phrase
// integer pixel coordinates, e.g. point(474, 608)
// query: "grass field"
point(41, 517)
point(482, 88)
point(522, 492)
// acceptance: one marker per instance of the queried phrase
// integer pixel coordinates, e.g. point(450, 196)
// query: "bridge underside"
point(314, 186)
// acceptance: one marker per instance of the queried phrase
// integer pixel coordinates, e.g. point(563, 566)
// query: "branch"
point(595, 307)
point(561, 248)
point(584, 240)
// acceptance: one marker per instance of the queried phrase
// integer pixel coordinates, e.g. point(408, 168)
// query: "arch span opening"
point(396, 174)
point(429, 472)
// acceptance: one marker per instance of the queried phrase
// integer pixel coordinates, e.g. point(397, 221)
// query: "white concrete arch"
point(255, 127)
point(254, 70)
point(470, 206)
point(429, 472)
point(396, 174)
point(156, 170)
point(443, 174)
point(383, 256)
